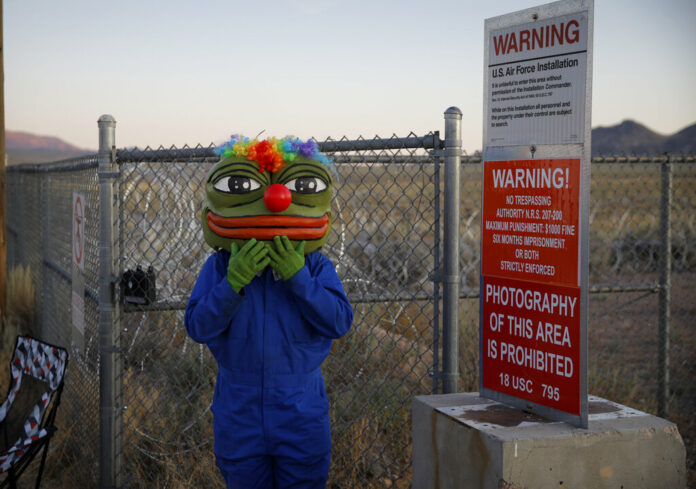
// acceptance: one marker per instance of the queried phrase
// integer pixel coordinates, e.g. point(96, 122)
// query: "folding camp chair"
point(28, 414)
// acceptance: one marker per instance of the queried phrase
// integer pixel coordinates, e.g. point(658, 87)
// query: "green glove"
point(244, 264)
point(285, 259)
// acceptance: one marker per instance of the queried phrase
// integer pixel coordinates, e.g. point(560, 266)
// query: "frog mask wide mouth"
point(275, 187)
point(266, 227)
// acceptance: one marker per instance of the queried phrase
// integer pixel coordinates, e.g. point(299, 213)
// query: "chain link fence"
point(386, 245)
point(383, 245)
point(40, 238)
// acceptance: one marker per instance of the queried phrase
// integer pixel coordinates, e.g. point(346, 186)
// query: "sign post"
point(535, 224)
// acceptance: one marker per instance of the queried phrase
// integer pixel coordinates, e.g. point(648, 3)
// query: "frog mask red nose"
point(262, 189)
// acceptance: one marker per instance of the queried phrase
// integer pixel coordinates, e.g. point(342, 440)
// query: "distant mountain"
point(26, 140)
point(630, 137)
point(682, 142)
point(26, 147)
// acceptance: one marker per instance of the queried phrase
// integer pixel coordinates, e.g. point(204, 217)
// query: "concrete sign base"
point(465, 441)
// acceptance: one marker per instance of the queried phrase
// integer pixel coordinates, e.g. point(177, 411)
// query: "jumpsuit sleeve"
point(212, 304)
point(321, 300)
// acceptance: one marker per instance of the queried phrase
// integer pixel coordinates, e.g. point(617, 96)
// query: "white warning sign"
point(78, 307)
point(78, 269)
point(535, 89)
point(78, 230)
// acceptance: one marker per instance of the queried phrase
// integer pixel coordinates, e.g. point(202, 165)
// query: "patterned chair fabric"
point(46, 363)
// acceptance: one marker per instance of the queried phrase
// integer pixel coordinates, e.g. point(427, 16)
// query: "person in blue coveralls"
point(268, 305)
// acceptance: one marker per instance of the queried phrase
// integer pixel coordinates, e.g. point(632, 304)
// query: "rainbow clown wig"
point(271, 154)
point(268, 188)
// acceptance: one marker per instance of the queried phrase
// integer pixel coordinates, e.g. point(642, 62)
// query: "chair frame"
point(47, 422)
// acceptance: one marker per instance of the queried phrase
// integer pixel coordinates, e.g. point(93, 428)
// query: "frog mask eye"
point(244, 187)
point(306, 185)
point(236, 184)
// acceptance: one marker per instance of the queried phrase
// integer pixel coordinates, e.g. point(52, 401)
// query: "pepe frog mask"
point(265, 189)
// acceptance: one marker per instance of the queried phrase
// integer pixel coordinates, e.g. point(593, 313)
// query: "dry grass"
point(20, 300)
point(371, 376)
point(164, 449)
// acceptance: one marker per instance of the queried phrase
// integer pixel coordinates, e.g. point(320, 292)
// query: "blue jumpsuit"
point(270, 408)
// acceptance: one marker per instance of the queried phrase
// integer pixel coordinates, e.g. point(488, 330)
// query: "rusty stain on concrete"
point(478, 454)
point(599, 407)
point(436, 452)
point(508, 416)
point(502, 415)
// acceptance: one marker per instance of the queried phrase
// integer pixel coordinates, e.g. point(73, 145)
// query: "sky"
point(180, 72)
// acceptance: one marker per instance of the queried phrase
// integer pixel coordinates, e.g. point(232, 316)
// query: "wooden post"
point(3, 240)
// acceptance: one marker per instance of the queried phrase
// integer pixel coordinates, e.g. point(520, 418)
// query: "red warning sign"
point(531, 212)
point(531, 342)
point(531, 333)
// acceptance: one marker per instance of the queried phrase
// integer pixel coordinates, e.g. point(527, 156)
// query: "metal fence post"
point(665, 295)
point(436, 280)
point(450, 297)
point(22, 233)
point(110, 418)
point(47, 230)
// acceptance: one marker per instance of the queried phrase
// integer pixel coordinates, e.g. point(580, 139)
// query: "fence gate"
point(385, 244)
